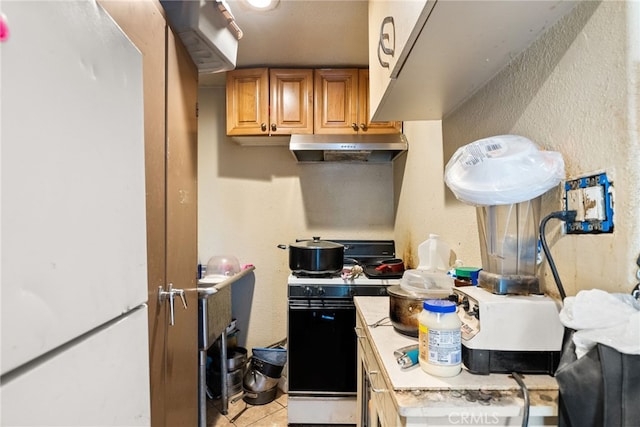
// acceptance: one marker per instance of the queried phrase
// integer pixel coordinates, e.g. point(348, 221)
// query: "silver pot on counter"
point(405, 306)
point(404, 309)
point(315, 257)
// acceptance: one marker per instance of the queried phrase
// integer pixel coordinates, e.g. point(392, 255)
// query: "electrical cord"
point(525, 395)
point(567, 216)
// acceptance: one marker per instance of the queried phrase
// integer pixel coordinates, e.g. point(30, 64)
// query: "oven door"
point(322, 347)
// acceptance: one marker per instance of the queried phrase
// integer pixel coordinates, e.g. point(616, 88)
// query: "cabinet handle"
point(363, 126)
point(354, 126)
point(274, 127)
point(263, 127)
point(375, 390)
point(387, 50)
point(356, 329)
point(385, 36)
point(383, 64)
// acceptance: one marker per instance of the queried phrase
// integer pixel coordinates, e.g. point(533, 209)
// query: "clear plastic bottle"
point(440, 351)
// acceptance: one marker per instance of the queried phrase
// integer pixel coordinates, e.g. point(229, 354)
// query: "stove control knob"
point(308, 291)
point(382, 291)
point(321, 291)
point(352, 291)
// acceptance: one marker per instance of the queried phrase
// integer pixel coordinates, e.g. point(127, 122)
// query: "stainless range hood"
point(347, 148)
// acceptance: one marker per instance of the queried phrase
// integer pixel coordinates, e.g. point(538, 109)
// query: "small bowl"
point(222, 265)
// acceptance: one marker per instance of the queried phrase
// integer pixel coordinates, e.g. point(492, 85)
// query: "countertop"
point(420, 394)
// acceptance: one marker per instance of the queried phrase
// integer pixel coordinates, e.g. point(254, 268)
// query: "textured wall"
point(575, 91)
point(425, 205)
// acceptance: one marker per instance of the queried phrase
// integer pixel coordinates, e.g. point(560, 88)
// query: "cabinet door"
point(336, 101)
point(365, 124)
point(393, 24)
point(291, 101)
point(248, 102)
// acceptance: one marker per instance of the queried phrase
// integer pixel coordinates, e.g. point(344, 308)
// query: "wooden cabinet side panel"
point(248, 102)
point(182, 337)
point(291, 101)
point(335, 101)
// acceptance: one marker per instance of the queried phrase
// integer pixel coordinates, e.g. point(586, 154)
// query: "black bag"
point(602, 388)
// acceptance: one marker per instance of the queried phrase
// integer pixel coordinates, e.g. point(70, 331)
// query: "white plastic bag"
point(426, 281)
point(605, 318)
point(502, 170)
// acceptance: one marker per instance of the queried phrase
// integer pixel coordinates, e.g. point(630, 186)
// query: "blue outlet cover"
point(591, 226)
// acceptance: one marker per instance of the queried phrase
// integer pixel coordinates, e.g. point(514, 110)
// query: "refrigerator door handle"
point(170, 295)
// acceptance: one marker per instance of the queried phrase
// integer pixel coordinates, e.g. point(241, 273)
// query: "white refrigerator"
point(74, 327)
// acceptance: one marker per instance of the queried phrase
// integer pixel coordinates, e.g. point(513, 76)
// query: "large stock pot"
point(315, 257)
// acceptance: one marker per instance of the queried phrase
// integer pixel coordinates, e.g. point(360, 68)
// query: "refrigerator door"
point(73, 189)
point(98, 380)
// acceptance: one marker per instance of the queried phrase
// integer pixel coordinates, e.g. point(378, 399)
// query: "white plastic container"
point(434, 255)
point(440, 351)
point(501, 170)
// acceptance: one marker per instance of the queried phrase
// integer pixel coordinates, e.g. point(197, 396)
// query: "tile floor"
point(272, 414)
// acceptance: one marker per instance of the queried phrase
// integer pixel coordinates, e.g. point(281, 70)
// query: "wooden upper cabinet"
point(342, 103)
point(336, 101)
point(291, 101)
point(251, 111)
point(279, 101)
point(248, 102)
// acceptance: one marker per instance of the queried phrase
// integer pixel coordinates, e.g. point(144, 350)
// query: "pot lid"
point(316, 243)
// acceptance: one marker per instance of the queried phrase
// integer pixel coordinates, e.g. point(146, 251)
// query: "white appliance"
point(509, 333)
point(74, 283)
point(508, 325)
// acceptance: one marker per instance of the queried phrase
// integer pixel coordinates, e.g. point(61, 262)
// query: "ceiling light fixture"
point(262, 4)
